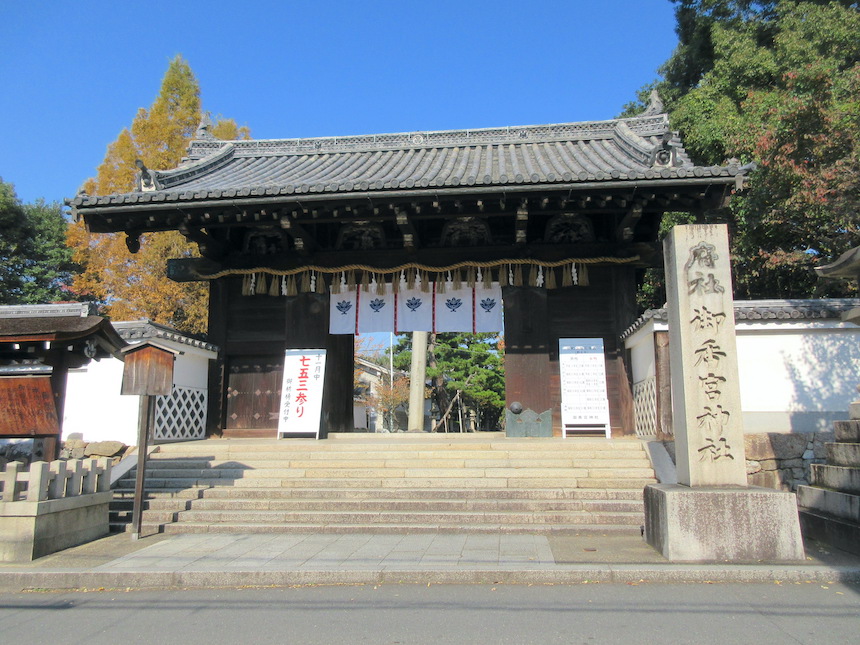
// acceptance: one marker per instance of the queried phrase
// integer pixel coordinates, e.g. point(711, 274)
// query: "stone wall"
point(779, 460)
point(74, 447)
point(782, 461)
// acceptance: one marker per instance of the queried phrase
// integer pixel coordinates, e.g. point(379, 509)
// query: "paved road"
point(812, 613)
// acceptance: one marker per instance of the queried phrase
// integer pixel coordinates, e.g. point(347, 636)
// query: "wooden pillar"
point(217, 335)
point(663, 385)
point(624, 296)
point(307, 328)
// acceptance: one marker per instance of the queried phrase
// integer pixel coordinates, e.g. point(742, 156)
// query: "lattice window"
point(645, 407)
point(181, 416)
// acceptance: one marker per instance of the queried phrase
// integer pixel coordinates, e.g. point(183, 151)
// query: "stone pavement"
point(240, 560)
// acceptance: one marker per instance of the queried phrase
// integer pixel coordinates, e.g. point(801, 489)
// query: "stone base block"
point(30, 530)
point(705, 524)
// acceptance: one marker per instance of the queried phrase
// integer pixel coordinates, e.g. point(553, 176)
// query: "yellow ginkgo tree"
point(131, 286)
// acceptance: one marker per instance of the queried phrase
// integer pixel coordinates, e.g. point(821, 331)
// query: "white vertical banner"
point(414, 309)
point(342, 312)
point(302, 392)
point(584, 403)
point(489, 316)
point(376, 311)
point(454, 309)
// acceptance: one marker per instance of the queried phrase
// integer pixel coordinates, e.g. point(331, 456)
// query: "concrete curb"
point(17, 581)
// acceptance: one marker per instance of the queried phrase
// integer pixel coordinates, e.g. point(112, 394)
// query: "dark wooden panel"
point(527, 365)
point(28, 407)
point(254, 392)
point(258, 318)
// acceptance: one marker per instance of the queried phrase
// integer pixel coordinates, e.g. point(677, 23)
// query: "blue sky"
point(73, 74)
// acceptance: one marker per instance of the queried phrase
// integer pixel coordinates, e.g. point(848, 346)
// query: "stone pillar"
point(417, 375)
point(709, 434)
point(711, 514)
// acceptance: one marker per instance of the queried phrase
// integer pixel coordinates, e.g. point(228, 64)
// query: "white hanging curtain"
point(414, 309)
point(376, 310)
point(342, 312)
point(489, 316)
point(454, 309)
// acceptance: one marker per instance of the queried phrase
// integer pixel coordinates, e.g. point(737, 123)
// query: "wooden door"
point(254, 392)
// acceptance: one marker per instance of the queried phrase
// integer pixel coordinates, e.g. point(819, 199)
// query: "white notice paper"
point(584, 404)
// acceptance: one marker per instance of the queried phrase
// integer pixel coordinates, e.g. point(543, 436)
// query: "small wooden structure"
point(148, 372)
point(38, 345)
point(148, 369)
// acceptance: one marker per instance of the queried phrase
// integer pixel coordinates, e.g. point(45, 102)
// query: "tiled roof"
point(621, 150)
point(831, 308)
point(139, 330)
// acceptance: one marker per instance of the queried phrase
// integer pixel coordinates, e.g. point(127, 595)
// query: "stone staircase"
point(399, 483)
point(830, 507)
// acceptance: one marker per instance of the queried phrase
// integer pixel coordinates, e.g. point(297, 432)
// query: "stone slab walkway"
point(237, 560)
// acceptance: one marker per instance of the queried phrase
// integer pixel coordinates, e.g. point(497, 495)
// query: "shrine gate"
point(561, 219)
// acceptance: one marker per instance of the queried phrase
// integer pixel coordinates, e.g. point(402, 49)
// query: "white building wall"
point(795, 375)
point(94, 406)
point(641, 347)
point(96, 409)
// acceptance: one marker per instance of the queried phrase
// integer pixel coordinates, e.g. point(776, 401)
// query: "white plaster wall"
point(641, 346)
point(94, 406)
point(191, 368)
point(795, 376)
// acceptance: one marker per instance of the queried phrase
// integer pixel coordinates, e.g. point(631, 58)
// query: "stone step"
point(278, 459)
point(847, 431)
point(463, 518)
point(837, 532)
point(388, 529)
point(414, 482)
point(392, 468)
point(843, 454)
point(842, 505)
point(393, 483)
point(841, 478)
point(226, 492)
point(219, 449)
point(214, 474)
point(386, 505)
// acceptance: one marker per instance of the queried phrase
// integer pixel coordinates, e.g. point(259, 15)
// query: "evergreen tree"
point(470, 363)
point(15, 235)
point(778, 84)
point(34, 259)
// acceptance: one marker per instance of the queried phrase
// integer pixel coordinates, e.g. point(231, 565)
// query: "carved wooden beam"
point(208, 245)
point(304, 241)
point(522, 223)
point(627, 225)
point(410, 234)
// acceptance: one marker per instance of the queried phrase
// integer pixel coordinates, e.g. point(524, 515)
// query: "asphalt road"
point(387, 614)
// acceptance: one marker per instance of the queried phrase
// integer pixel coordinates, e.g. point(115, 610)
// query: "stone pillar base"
point(705, 524)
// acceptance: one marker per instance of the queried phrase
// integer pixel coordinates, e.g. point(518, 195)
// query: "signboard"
point(584, 404)
point(302, 392)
